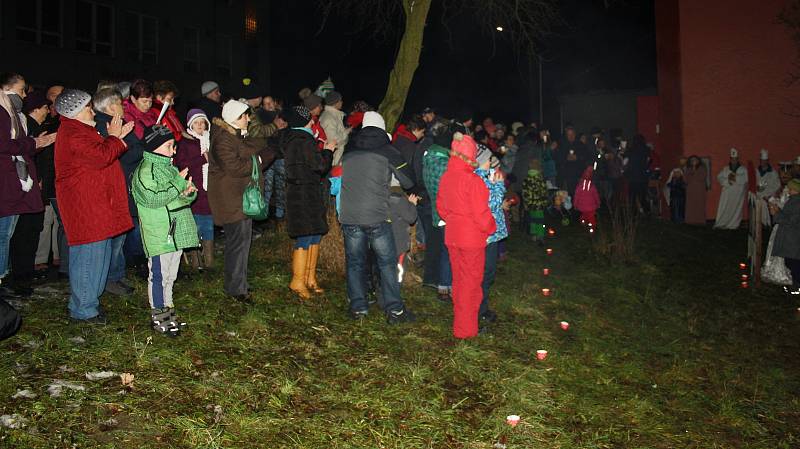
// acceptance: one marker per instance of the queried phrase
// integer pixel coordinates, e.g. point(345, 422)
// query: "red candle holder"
point(546, 272)
point(742, 266)
point(549, 251)
point(547, 292)
point(745, 284)
point(551, 232)
point(745, 277)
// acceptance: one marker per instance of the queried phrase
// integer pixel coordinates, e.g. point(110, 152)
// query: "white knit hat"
point(71, 101)
point(764, 155)
point(372, 118)
point(232, 110)
point(734, 152)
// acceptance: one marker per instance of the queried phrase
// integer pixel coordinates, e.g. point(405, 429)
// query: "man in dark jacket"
point(367, 169)
point(572, 159)
point(407, 141)
point(211, 102)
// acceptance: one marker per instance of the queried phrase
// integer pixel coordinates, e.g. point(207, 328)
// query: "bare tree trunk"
point(416, 13)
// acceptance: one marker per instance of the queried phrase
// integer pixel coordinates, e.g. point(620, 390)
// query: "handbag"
point(253, 204)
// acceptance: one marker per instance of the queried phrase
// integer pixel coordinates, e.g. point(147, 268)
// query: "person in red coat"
point(587, 199)
point(165, 92)
point(92, 198)
point(463, 203)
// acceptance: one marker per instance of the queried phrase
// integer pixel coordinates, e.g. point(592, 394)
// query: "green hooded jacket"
point(166, 220)
point(434, 164)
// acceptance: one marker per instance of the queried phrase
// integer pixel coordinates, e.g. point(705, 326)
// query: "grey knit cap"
point(332, 98)
point(484, 154)
point(71, 102)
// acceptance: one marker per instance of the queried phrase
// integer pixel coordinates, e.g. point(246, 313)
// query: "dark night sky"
point(597, 49)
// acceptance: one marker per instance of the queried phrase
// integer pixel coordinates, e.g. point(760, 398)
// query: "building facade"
point(723, 71)
point(78, 42)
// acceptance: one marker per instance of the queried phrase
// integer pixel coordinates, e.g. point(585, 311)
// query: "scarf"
point(17, 131)
point(205, 145)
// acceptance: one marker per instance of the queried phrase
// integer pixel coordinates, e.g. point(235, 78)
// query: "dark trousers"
point(794, 266)
point(637, 190)
point(24, 244)
point(238, 237)
point(63, 248)
point(678, 208)
point(434, 242)
point(358, 240)
point(489, 273)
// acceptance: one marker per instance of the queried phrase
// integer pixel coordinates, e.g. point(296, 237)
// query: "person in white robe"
point(769, 184)
point(733, 179)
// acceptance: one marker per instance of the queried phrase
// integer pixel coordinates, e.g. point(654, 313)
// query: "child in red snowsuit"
point(463, 203)
point(587, 200)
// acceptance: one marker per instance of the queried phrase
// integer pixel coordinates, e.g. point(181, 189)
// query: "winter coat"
point(306, 167)
point(129, 160)
point(230, 166)
point(189, 156)
point(92, 196)
point(14, 200)
point(569, 172)
point(434, 165)
point(526, 152)
point(45, 164)
point(534, 191)
point(211, 108)
point(258, 129)
point(402, 214)
point(587, 199)
point(406, 143)
point(140, 119)
point(367, 169)
point(638, 163)
point(463, 203)
point(170, 119)
point(497, 192)
point(166, 221)
point(787, 241)
point(549, 170)
point(332, 121)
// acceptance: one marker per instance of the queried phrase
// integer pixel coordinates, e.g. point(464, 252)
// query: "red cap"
point(465, 145)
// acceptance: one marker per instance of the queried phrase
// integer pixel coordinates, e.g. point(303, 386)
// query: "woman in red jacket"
point(463, 203)
point(92, 198)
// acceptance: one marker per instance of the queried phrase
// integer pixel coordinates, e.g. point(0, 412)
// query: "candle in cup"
point(549, 251)
point(564, 325)
point(541, 354)
point(745, 284)
point(546, 291)
point(512, 420)
point(742, 266)
point(744, 277)
point(551, 232)
point(546, 272)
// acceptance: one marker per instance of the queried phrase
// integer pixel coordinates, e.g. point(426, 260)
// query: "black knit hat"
point(297, 117)
point(155, 136)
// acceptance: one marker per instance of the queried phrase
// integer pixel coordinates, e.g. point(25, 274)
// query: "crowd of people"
point(103, 183)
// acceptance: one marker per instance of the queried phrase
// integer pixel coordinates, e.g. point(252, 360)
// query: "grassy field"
point(666, 352)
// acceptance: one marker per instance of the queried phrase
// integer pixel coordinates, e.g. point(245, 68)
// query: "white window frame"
point(93, 41)
point(38, 29)
point(140, 18)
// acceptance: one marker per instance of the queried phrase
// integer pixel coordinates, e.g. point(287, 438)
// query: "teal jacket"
point(434, 164)
point(166, 220)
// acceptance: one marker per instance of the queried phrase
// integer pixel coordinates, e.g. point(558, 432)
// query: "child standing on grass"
point(494, 181)
point(163, 195)
point(534, 198)
point(787, 240)
point(587, 198)
point(403, 214)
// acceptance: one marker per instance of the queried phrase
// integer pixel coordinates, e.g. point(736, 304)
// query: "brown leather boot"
point(311, 269)
point(299, 266)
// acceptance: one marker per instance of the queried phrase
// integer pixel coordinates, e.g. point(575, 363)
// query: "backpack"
point(10, 320)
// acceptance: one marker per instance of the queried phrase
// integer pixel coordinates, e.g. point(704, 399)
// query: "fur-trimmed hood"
point(224, 125)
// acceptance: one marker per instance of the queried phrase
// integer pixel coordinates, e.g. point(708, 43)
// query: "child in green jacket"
point(163, 196)
point(534, 199)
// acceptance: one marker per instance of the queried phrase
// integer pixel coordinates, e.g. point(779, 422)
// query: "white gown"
point(768, 186)
point(731, 202)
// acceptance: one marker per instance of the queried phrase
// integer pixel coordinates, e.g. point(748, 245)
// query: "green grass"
point(665, 352)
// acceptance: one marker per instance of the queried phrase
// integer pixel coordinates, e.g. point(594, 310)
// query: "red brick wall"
point(734, 61)
point(669, 83)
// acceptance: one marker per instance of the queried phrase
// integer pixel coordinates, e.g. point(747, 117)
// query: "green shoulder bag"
point(253, 203)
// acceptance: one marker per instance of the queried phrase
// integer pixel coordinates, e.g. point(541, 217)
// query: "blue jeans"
point(7, 225)
point(205, 226)
point(489, 273)
point(116, 269)
point(304, 241)
point(357, 241)
point(133, 242)
point(275, 182)
point(63, 247)
point(88, 272)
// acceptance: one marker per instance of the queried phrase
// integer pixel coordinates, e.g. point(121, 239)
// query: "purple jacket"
point(14, 200)
point(188, 155)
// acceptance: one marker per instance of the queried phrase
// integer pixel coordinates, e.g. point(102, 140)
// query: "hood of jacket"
point(225, 126)
point(371, 137)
